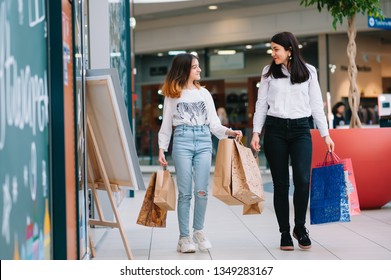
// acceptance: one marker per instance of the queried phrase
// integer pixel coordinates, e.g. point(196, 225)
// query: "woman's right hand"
point(255, 142)
point(162, 158)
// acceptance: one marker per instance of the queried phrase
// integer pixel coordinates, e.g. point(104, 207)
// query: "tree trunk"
point(354, 95)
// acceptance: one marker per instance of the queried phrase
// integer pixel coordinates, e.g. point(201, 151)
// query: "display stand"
point(112, 160)
point(110, 189)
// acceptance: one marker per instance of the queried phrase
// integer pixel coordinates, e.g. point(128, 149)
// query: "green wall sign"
point(25, 227)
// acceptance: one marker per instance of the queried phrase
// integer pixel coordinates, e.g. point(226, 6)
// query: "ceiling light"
point(213, 7)
point(226, 52)
point(269, 51)
point(115, 54)
point(155, 1)
point(249, 47)
point(175, 52)
point(132, 22)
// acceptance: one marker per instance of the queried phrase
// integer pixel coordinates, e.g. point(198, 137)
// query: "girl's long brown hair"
point(178, 75)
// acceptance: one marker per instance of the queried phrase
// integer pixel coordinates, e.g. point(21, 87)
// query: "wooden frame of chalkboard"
point(107, 113)
point(112, 158)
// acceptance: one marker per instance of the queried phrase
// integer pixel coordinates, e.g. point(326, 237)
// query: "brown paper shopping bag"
point(150, 214)
point(247, 185)
point(165, 193)
point(222, 175)
point(256, 208)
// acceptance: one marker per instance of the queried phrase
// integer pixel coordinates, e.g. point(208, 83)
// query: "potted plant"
point(349, 9)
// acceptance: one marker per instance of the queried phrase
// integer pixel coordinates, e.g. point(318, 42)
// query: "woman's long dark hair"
point(334, 110)
point(178, 75)
point(296, 64)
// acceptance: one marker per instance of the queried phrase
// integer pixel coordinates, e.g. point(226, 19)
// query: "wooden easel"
point(97, 166)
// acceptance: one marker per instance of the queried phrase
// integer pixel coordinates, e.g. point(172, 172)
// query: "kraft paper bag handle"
point(255, 153)
point(164, 168)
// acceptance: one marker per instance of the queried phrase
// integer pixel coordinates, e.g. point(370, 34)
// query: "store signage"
point(379, 23)
point(359, 68)
point(226, 62)
point(158, 71)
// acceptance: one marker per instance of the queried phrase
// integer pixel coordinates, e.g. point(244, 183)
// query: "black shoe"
point(286, 241)
point(301, 234)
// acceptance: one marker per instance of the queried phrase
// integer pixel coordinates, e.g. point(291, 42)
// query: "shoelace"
point(186, 240)
point(200, 236)
point(303, 234)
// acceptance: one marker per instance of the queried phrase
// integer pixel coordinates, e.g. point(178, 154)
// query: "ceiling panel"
point(173, 9)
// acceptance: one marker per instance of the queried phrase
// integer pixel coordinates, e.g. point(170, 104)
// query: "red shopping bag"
point(351, 185)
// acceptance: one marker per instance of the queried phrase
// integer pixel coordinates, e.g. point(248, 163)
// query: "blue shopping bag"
point(328, 197)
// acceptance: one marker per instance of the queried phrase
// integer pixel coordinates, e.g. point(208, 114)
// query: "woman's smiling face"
point(280, 54)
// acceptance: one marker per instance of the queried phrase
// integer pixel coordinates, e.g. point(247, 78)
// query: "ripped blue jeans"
point(192, 155)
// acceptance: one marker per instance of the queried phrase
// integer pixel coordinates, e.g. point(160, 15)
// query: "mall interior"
point(81, 108)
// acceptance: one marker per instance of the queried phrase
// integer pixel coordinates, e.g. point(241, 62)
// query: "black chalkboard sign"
point(24, 137)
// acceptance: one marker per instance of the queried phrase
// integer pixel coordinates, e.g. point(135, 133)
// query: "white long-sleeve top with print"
point(280, 98)
point(194, 107)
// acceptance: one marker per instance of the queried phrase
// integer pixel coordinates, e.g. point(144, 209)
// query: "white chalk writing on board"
point(36, 12)
point(23, 96)
point(7, 206)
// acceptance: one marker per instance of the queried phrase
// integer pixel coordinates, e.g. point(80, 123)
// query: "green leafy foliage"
point(340, 9)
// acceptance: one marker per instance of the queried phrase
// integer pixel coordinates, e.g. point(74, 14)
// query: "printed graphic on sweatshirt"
point(193, 113)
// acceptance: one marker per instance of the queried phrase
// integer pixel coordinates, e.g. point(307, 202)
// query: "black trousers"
point(284, 140)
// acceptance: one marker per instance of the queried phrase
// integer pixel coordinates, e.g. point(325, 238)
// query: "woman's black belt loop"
point(287, 122)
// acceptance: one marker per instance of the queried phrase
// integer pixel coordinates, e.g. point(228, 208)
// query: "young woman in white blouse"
point(288, 95)
point(190, 110)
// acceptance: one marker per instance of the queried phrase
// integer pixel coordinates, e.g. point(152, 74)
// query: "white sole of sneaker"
point(203, 249)
point(178, 248)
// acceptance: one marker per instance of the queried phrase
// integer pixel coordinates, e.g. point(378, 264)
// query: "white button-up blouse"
point(280, 98)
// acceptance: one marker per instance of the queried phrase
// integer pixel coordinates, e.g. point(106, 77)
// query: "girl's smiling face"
point(195, 71)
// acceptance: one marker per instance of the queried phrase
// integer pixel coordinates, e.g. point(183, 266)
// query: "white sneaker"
point(201, 240)
point(186, 245)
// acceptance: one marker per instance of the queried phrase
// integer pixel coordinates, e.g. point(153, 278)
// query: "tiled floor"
point(248, 237)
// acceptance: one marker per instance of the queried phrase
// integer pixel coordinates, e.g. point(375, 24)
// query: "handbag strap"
point(331, 158)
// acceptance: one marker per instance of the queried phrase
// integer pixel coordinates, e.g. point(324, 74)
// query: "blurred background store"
point(232, 40)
